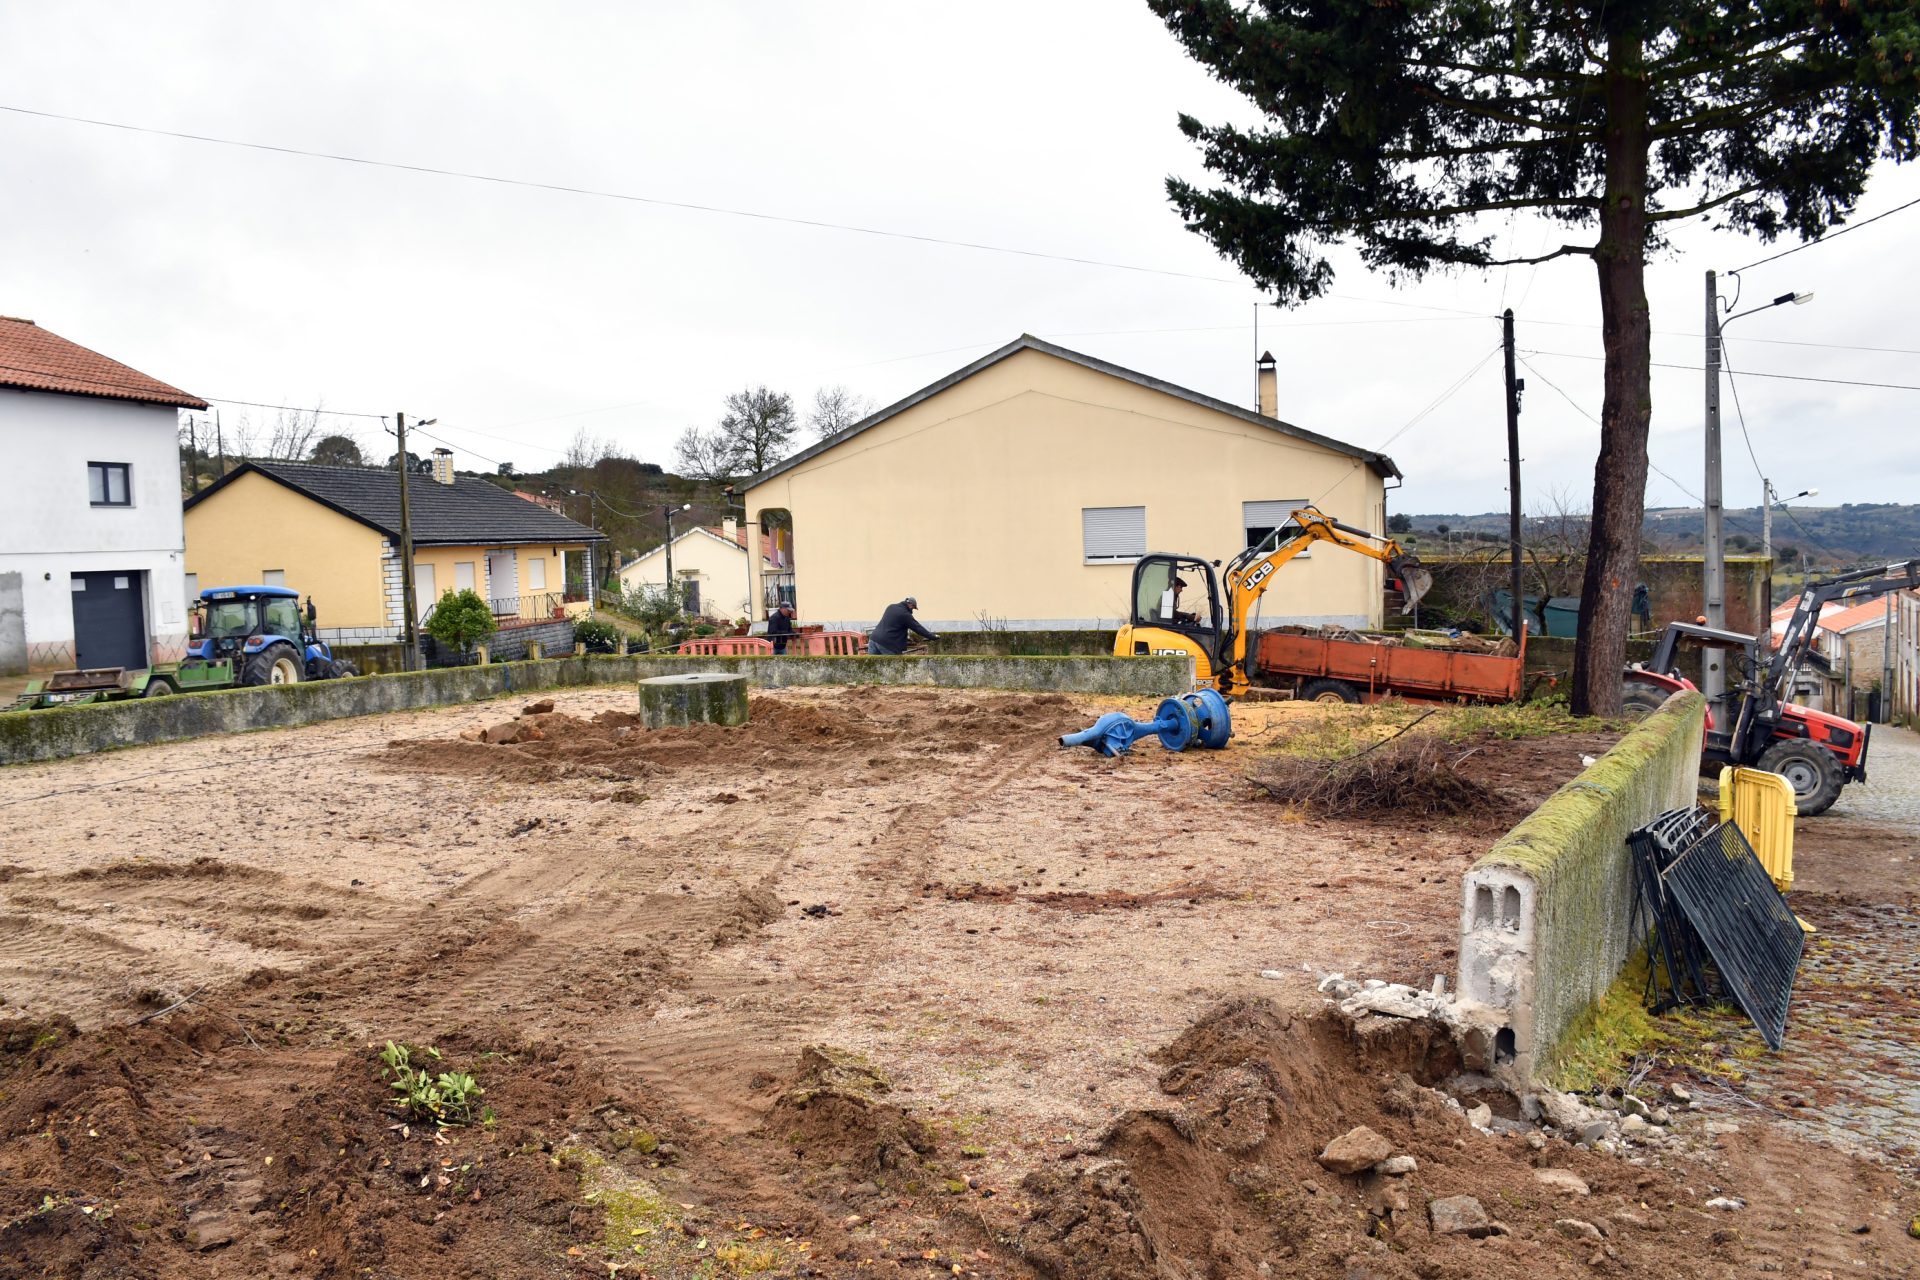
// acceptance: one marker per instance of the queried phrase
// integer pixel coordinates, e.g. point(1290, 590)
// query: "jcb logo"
point(1171, 653)
point(1261, 574)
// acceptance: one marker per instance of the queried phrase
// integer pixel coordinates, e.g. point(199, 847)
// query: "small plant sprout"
point(420, 1094)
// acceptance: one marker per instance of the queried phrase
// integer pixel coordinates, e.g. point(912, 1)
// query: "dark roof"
point(468, 512)
point(38, 360)
point(1380, 462)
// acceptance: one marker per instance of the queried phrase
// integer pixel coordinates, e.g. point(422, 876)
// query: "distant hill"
point(1853, 533)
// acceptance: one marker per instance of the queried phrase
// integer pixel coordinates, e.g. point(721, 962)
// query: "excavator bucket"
point(1414, 580)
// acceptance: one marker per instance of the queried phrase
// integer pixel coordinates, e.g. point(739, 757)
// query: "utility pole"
point(1886, 663)
point(1713, 682)
point(1766, 543)
point(410, 630)
point(1514, 388)
point(220, 442)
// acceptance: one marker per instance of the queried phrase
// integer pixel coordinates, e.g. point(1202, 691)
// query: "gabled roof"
point(738, 542)
point(38, 360)
point(1872, 613)
point(468, 512)
point(1380, 462)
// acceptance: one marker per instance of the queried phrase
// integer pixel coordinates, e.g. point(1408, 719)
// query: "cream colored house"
point(332, 533)
point(709, 563)
point(1020, 490)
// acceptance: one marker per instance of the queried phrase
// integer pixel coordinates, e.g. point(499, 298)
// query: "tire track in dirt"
point(727, 1039)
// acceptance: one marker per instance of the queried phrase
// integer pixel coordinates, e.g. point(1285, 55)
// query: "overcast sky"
point(517, 317)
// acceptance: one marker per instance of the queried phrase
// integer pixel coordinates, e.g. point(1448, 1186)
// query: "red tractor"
point(1819, 753)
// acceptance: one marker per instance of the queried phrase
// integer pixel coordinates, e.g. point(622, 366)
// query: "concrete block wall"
point(78, 730)
point(510, 644)
point(1544, 914)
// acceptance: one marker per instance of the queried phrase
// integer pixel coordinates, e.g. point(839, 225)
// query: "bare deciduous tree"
point(835, 409)
point(751, 436)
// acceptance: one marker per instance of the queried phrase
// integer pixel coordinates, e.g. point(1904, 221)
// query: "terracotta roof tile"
point(37, 360)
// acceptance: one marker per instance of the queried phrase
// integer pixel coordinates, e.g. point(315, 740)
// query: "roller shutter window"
point(1261, 518)
point(1113, 535)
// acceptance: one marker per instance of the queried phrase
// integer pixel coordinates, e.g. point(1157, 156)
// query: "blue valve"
point(1179, 723)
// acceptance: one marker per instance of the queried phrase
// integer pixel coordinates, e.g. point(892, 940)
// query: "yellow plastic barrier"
point(1761, 805)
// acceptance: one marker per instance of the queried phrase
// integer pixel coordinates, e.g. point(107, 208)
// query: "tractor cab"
point(1176, 610)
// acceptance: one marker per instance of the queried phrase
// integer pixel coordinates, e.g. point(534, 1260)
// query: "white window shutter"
point(1114, 533)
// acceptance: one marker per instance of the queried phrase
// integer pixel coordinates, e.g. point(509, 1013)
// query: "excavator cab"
point(1176, 610)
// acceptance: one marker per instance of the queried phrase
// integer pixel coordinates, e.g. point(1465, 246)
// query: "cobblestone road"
point(1892, 789)
point(1850, 1071)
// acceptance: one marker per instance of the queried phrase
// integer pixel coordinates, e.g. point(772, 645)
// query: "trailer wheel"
point(275, 664)
point(1638, 698)
point(1329, 691)
point(1811, 769)
point(159, 689)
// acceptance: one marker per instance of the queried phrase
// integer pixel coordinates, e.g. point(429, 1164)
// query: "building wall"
point(971, 501)
point(254, 525)
point(1870, 653)
point(718, 566)
point(446, 562)
point(51, 531)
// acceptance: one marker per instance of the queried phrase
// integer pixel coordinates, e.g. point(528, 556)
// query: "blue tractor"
point(255, 635)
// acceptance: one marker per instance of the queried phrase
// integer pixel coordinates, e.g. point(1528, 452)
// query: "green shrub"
point(420, 1094)
point(461, 620)
point(599, 635)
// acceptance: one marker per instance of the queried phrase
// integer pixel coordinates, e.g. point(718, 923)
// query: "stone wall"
point(1545, 912)
point(1675, 587)
point(77, 730)
point(1024, 643)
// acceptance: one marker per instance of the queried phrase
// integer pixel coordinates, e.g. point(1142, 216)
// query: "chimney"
point(731, 528)
point(443, 465)
point(1269, 386)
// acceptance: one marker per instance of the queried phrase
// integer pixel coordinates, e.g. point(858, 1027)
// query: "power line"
point(1772, 342)
point(1786, 377)
point(292, 408)
point(658, 201)
point(1831, 235)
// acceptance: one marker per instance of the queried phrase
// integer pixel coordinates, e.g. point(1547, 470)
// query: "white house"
point(92, 546)
point(709, 563)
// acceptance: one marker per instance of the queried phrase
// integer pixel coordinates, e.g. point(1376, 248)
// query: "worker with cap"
point(780, 627)
point(890, 636)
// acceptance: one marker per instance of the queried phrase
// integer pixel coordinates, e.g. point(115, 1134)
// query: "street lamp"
point(1769, 499)
point(668, 513)
point(1713, 678)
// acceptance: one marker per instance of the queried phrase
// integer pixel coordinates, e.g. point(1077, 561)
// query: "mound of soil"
point(1225, 1178)
point(783, 734)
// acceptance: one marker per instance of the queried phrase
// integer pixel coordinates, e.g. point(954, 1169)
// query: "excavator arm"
point(1250, 573)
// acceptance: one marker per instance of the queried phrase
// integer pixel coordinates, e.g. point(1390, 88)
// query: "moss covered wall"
point(1566, 872)
point(70, 731)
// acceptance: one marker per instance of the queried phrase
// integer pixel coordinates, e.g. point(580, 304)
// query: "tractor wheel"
point(1811, 769)
point(1638, 698)
point(159, 689)
point(1329, 691)
point(275, 664)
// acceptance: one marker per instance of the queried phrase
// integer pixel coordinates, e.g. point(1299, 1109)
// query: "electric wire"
point(1831, 235)
point(1740, 416)
point(1785, 377)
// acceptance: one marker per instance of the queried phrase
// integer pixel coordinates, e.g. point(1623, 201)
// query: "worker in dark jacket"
point(780, 628)
point(890, 636)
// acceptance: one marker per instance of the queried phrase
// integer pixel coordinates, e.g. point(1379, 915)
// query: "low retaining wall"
point(70, 731)
point(1024, 643)
point(1545, 912)
point(1157, 677)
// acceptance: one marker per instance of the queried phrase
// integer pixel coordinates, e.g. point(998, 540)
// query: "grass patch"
point(1601, 1045)
point(1337, 732)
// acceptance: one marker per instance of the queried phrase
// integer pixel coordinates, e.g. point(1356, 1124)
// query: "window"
point(1113, 535)
point(425, 594)
point(283, 618)
point(463, 575)
point(108, 484)
point(273, 577)
point(536, 574)
point(1261, 518)
point(193, 587)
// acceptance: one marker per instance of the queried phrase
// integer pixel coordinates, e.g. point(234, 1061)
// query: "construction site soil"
point(882, 982)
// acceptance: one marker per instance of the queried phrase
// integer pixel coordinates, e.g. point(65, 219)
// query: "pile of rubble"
point(1614, 1124)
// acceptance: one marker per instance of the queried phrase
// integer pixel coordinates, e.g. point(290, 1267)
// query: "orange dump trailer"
point(1352, 666)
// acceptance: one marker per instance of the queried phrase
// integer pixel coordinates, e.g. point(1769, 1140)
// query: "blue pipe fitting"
point(1178, 722)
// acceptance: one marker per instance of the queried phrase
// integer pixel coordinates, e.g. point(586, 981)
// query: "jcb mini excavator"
point(1178, 607)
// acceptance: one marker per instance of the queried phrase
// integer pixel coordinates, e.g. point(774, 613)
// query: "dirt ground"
point(884, 981)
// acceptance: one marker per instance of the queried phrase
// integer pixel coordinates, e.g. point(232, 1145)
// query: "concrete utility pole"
point(1886, 663)
point(668, 513)
point(1514, 388)
point(410, 629)
point(1713, 682)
